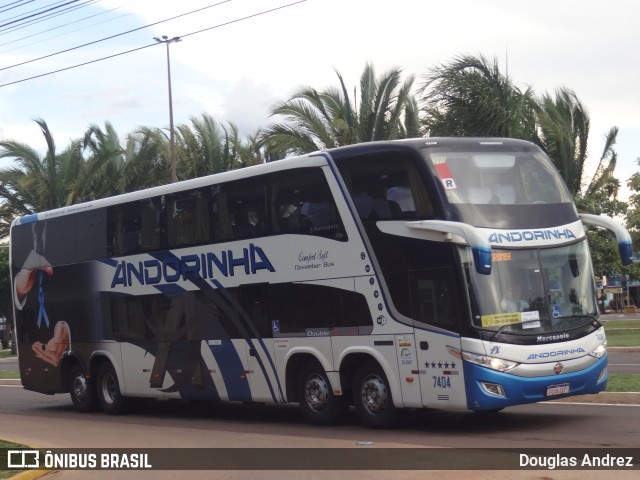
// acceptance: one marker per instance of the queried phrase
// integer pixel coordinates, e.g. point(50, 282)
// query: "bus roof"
point(316, 159)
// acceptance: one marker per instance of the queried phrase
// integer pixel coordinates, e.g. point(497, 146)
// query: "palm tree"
point(564, 133)
point(36, 183)
point(206, 147)
point(105, 161)
point(471, 97)
point(313, 120)
point(146, 161)
point(201, 147)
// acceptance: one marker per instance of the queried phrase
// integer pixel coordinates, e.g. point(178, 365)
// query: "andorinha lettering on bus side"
point(208, 265)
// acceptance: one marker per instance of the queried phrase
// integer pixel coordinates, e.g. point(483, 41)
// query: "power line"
point(28, 23)
point(111, 36)
point(153, 44)
point(39, 13)
point(21, 2)
point(62, 26)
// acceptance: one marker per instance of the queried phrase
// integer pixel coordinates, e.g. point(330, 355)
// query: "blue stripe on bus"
point(238, 308)
point(28, 219)
point(203, 285)
point(169, 288)
point(232, 370)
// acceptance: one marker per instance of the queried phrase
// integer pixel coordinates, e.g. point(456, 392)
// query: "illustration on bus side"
point(51, 338)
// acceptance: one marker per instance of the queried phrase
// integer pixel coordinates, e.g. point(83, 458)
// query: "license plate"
point(557, 389)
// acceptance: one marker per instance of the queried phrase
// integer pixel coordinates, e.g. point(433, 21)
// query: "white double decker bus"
point(442, 273)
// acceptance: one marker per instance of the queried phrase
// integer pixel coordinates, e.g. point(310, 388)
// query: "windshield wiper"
point(501, 329)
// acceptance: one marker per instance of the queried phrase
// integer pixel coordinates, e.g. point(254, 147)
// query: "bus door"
point(441, 373)
point(261, 366)
point(433, 303)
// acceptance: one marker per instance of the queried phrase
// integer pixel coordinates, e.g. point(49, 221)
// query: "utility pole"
point(172, 144)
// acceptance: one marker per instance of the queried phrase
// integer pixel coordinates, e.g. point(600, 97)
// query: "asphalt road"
point(51, 422)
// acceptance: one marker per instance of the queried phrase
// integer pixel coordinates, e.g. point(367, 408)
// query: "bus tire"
point(108, 390)
point(318, 403)
point(372, 396)
point(82, 390)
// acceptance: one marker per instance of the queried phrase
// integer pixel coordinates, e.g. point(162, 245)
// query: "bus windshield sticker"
point(529, 319)
point(500, 319)
point(444, 172)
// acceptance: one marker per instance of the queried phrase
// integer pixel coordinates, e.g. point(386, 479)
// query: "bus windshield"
point(498, 175)
point(535, 291)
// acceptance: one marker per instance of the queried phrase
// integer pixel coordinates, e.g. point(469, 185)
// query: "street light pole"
point(172, 145)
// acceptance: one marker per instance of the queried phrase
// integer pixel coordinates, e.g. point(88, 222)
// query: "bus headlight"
point(599, 352)
point(493, 363)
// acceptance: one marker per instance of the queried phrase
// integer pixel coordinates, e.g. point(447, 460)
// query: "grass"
point(620, 324)
point(622, 337)
point(623, 383)
point(3, 460)
point(9, 374)
point(622, 333)
point(5, 353)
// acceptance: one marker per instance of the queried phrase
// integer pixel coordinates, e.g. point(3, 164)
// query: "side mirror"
point(625, 245)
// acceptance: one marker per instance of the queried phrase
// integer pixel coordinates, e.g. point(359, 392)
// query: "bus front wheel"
point(372, 396)
point(108, 390)
point(318, 403)
point(82, 390)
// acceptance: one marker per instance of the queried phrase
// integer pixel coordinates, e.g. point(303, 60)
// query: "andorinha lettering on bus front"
point(209, 265)
point(532, 235)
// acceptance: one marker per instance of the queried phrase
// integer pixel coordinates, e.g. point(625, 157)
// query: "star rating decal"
point(440, 365)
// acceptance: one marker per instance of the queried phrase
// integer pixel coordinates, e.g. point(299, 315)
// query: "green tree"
point(206, 147)
point(313, 119)
point(564, 126)
point(107, 161)
point(36, 183)
point(5, 290)
point(93, 167)
point(471, 97)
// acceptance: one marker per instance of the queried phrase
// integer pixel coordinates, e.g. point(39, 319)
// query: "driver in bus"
point(514, 301)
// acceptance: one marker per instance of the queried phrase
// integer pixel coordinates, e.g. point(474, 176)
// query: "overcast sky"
point(237, 68)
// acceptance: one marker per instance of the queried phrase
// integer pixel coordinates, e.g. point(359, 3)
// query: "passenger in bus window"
point(372, 205)
point(317, 214)
point(402, 195)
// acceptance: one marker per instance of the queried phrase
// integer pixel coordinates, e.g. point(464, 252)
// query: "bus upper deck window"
point(187, 218)
point(387, 187)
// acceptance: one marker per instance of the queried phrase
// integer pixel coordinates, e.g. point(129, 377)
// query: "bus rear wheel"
point(372, 396)
point(82, 390)
point(318, 403)
point(108, 390)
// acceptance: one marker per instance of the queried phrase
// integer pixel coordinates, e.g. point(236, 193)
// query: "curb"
point(10, 381)
point(612, 398)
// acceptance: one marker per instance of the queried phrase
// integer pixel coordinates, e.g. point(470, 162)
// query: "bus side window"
point(386, 187)
point(135, 227)
point(432, 301)
point(299, 306)
point(302, 203)
point(187, 215)
point(239, 210)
